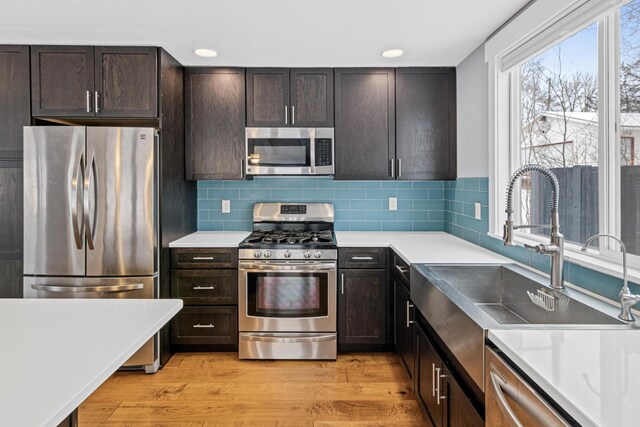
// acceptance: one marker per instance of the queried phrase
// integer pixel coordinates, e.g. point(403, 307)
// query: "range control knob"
point(307, 254)
point(287, 254)
point(318, 254)
point(267, 254)
point(257, 254)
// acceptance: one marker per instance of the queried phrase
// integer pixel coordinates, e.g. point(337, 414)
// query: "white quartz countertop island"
point(56, 352)
point(422, 247)
point(211, 239)
point(592, 374)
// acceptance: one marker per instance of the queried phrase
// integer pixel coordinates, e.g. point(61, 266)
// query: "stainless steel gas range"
point(287, 283)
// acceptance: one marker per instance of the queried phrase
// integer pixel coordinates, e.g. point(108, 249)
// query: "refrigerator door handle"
point(90, 231)
point(77, 203)
point(65, 288)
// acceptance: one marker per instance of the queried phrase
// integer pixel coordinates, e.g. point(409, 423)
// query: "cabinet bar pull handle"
point(88, 101)
point(362, 258)
point(96, 101)
point(293, 114)
point(286, 115)
point(399, 168)
point(198, 288)
point(439, 397)
point(393, 163)
point(433, 380)
point(198, 325)
point(203, 258)
point(400, 269)
point(342, 282)
point(409, 321)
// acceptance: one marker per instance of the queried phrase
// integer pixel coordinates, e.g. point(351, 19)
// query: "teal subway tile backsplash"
point(359, 205)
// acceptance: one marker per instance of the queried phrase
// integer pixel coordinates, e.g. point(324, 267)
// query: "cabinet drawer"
point(205, 286)
point(206, 325)
point(204, 258)
point(362, 257)
point(401, 269)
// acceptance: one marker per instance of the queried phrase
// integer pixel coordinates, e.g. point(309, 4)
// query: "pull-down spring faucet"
point(555, 248)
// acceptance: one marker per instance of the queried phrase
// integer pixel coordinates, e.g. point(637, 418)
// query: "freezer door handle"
point(90, 177)
point(99, 288)
point(77, 203)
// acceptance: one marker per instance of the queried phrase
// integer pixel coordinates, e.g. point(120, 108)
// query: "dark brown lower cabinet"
point(206, 325)
point(362, 306)
point(404, 324)
point(439, 395)
point(206, 279)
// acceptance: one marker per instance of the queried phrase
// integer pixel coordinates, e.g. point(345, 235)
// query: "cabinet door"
point(268, 97)
point(14, 114)
point(428, 365)
point(458, 409)
point(62, 81)
point(365, 123)
point(426, 123)
point(312, 97)
point(404, 324)
point(126, 81)
point(215, 123)
point(360, 322)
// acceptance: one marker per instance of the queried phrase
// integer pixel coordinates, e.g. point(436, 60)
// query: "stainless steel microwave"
point(289, 151)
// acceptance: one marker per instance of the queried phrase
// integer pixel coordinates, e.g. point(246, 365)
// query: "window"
point(559, 130)
point(567, 96)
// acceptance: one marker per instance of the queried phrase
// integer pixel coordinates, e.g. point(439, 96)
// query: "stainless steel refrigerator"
point(91, 216)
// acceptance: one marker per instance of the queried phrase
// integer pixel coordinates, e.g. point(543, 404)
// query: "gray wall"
point(472, 100)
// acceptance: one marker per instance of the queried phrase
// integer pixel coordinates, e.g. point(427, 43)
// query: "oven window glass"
point(279, 152)
point(287, 294)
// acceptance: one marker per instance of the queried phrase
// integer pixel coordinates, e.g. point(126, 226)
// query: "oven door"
point(280, 151)
point(287, 296)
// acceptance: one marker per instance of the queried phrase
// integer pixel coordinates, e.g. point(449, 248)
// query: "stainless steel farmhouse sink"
point(462, 302)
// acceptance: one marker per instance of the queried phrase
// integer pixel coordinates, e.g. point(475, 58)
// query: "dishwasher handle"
point(498, 383)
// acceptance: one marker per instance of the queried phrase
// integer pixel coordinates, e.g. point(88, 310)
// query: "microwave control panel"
point(324, 154)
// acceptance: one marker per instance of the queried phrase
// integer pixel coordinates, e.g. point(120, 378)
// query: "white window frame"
point(541, 25)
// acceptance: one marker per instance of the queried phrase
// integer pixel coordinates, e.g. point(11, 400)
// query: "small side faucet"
point(627, 299)
point(555, 247)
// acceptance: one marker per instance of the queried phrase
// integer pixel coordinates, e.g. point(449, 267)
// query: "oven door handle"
point(287, 339)
point(255, 267)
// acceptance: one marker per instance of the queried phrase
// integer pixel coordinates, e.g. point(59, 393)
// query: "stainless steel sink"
point(462, 302)
point(503, 293)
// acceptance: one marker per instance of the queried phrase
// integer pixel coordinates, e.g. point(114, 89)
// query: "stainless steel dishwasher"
point(511, 401)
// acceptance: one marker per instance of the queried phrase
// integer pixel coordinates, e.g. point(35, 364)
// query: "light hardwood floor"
point(217, 389)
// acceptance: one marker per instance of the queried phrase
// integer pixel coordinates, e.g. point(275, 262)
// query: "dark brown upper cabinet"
point(365, 123)
point(83, 81)
point(425, 123)
point(126, 81)
point(214, 122)
point(281, 97)
point(14, 99)
point(312, 97)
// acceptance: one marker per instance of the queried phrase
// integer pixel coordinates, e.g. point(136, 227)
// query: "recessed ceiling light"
point(392, 53)
point(206, 53)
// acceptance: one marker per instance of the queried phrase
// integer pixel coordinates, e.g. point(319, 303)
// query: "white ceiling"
point(266, 32)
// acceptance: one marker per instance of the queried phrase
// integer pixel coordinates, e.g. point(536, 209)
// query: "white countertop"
point(422, 247)
point(211, 239)
point(56, 352)
point(593, 374)
point(413, 247)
